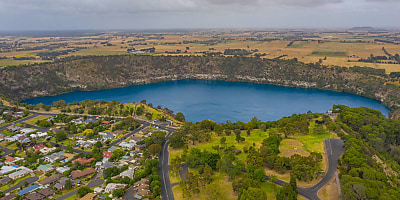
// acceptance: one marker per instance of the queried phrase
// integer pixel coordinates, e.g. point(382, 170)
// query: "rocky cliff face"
point(93, 73)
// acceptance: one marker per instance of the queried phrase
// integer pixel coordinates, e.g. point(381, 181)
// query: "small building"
point(28, 190)
point(107, 154)
point(39, 147)
point(23, 171)
point(54, 157)
point(89, 196)
point(10, 160)
point(7, 169)
point(130, 173)
point(9, 197)
point(112, 149)
point(61, 170)
point(83, 161)
point(46, 168)
point(80, 174)
point(47, 193)
point(34, 196)
point(114, 186)
point(4, 181)
point(49, 180)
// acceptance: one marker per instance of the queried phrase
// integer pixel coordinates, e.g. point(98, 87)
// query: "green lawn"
point(35, 119)
point(256, 136)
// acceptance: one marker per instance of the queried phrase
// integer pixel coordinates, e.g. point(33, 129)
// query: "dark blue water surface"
point(221, 101)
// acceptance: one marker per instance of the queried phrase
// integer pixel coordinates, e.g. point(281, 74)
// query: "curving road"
point(163, 171)
point(334, 148)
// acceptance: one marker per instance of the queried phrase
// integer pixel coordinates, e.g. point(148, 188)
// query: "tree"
point(118, 193)
point(178, 139)
point(82, 191)
point(180, 117)
point(61, 136)
point(252, 193)
point(149, 116)
point(213, 191)
point(154, 149)
point(273, 179)
point(223, 140)
point(259, 174)
point(139, 110)
point(68, 184)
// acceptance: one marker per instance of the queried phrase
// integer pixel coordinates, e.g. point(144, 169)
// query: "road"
point(22, 183)
point(7, 151)
point(334, 148)
point(163, 171)
point(96, 181)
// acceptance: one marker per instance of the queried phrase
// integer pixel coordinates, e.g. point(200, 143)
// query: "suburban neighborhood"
point(66, 156)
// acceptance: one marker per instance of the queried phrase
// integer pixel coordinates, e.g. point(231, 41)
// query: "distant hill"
point(362, 28)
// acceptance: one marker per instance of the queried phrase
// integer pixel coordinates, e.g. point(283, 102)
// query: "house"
point(27, 130)
point(98, 190)
point(10, 160)
point(79, 174)
point(107, 136)
point(68, 156)
point(9, 197)
point(23, 139)
point(89, 196)
point(71, 137)
point(4, 181)
point(7, 169)
point(47, 150)
point(34, 196)
point(128, 145)
point(112, 149)
point(47, 193)
point(107, 154)
point(38, 147)
point(54, 157)
point(49, 180)
point(130, 173)
point(61, 183)
point(22, 171)
point(83, 161)
point(46, 168)
point(114, 186)
point(140, 147)
point(18, 114)
point(33, 136)
point(80, 137)
point(77, 121)
point(105, 122)
point(61, 170)
point(90, 121)
point(42, 134)
point(28, 189)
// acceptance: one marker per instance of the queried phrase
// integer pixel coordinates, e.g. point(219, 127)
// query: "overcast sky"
point(172, 14)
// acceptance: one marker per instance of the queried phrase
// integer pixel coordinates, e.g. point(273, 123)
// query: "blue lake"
point(221, 100)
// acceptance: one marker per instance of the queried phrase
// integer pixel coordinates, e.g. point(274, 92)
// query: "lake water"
point(221, 100)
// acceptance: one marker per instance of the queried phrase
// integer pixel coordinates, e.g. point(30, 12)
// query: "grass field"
point(309, 49)
point(35, 119)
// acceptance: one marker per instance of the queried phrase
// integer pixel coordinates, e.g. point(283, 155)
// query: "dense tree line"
point(369, 136)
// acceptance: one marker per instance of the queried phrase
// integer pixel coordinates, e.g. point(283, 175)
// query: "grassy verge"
point(5, 187)
point(35, 119)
